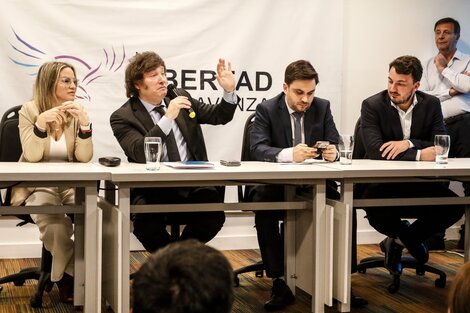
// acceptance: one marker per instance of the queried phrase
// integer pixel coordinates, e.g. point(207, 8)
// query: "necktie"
point(297, 127)
point(170, 142)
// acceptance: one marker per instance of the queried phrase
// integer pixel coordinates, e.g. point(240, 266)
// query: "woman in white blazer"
point(54, 128)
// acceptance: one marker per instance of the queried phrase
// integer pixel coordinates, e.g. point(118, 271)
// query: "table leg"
point(319, 234)
point(125, 208)
point(289, 242)
point(343, 261)
point(88, 251)
point(467, 234)
point(112, 253)
point(79, 251)
point(92, 251)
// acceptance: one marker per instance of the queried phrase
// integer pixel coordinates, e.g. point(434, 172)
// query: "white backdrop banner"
point(98, 37)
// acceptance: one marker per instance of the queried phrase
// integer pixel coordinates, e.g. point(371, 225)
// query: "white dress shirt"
point(406, 119)
point(453, 75)
point(166, 125)
point(287, 155)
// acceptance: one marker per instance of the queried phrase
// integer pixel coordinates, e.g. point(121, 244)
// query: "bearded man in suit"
point(286, 129)
point(400, 124)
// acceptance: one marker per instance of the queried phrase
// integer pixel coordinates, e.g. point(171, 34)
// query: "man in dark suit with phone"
point(400, 124)
point(286, 129)
point(149, 112)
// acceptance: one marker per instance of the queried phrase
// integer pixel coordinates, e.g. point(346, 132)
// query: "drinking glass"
point(442, 146)
point(346, 145)
point(153, 151)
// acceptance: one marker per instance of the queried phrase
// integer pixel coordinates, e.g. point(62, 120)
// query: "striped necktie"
point(169, 141)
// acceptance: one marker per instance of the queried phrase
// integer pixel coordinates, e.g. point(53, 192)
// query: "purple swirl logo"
point(28, 56)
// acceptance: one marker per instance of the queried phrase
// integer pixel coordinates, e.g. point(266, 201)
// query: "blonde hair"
point(46, 82)
point(44, 94)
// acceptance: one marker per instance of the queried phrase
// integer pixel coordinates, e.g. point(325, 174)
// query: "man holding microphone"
point(149, 112)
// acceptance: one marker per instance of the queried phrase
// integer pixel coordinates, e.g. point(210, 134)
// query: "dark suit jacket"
point(131, 123)
point(271, 133)
point(272, 129)
point(380, 123)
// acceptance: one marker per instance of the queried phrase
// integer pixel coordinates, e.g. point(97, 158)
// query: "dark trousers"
point(150, 228)
point(429, 219)
point(267, 225)
point(458, 128)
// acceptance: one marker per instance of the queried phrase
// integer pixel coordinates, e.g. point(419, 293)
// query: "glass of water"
point(442, 146)
point(153, 151)
point(346, 145)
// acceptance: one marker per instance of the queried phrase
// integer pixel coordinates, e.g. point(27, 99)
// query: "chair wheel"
point(440, 283)
point(362, 270)
point(36, 302)
point(19, 282)
point(236, 281)
point(259, 273)
point(420, 271)
point(393, 287)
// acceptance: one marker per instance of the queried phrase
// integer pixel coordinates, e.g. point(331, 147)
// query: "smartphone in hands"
point(230, 163)
point(320, 145)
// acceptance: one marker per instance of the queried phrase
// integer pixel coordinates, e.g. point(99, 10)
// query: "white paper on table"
point(189, 164)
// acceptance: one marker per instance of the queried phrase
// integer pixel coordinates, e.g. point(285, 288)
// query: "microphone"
point(172, 93)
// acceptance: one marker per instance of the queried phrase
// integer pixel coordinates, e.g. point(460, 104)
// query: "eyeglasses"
point(67, 81)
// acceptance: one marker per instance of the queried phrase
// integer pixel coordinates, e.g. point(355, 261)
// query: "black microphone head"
point(171, 91)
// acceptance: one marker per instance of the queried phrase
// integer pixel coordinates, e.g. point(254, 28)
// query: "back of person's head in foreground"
point(459, 294)
point(185, 276)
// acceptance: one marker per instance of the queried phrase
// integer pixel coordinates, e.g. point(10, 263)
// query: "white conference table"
point(375, 171)
point(326, 262)
point(84, 177)
point(116, 219)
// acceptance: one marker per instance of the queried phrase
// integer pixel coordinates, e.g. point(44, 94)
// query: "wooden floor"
point(416, 294)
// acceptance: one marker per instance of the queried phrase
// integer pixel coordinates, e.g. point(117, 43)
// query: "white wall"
point(376, 32)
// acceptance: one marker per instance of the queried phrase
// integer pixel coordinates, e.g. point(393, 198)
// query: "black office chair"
point(359, 152)
point(243, 191)
point(10, 151)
